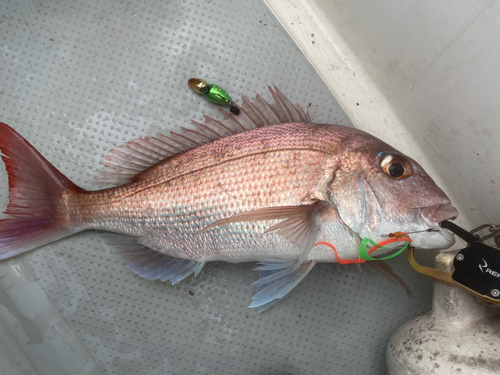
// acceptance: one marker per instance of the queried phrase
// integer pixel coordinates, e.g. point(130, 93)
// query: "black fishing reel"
point(477, 267)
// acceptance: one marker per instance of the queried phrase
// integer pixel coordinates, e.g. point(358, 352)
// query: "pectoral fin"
point(277, 278)
point(300, 224)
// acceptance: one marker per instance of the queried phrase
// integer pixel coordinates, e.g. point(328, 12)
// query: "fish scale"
point(230, 186)
point(267, 185)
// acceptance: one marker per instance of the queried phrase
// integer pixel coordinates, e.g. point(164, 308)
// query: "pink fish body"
point(267, 185)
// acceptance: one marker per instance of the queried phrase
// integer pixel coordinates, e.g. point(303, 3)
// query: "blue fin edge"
point(277, 278)
point(151, 264)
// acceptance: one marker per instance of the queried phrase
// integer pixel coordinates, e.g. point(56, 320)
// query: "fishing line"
point(398, 234)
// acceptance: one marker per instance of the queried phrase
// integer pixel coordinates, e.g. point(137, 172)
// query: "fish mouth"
point(437, 239)
point(447, 236)
point(433, 215)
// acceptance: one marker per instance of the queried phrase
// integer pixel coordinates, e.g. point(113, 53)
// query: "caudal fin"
point(35, 189)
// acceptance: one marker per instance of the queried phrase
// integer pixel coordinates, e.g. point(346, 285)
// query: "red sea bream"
point(266, 185)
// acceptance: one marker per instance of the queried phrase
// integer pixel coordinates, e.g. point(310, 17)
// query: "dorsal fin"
point(125, 161)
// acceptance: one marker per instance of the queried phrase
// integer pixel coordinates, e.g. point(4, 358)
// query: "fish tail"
point(36, 189)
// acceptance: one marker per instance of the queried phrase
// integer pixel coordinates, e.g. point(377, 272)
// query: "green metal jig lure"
point(213, 93)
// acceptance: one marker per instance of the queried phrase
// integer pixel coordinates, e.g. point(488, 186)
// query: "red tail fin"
point(35, 188)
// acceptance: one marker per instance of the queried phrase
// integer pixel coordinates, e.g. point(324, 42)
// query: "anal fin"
point(277, 278)
point(151, 264)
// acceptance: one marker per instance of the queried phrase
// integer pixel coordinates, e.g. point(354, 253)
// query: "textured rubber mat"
point(79, 78)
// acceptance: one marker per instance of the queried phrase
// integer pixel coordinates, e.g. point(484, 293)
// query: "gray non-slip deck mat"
point(79, 78)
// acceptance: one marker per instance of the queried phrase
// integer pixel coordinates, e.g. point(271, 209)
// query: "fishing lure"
point(364, 252)
point(214, 93)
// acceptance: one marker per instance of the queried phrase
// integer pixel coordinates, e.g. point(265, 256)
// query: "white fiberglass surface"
point(79, 78)
point(421, 75)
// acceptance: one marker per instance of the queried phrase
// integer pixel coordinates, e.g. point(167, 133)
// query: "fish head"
point(378, 190)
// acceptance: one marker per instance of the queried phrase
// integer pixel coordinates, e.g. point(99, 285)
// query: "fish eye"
point(396, 166)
